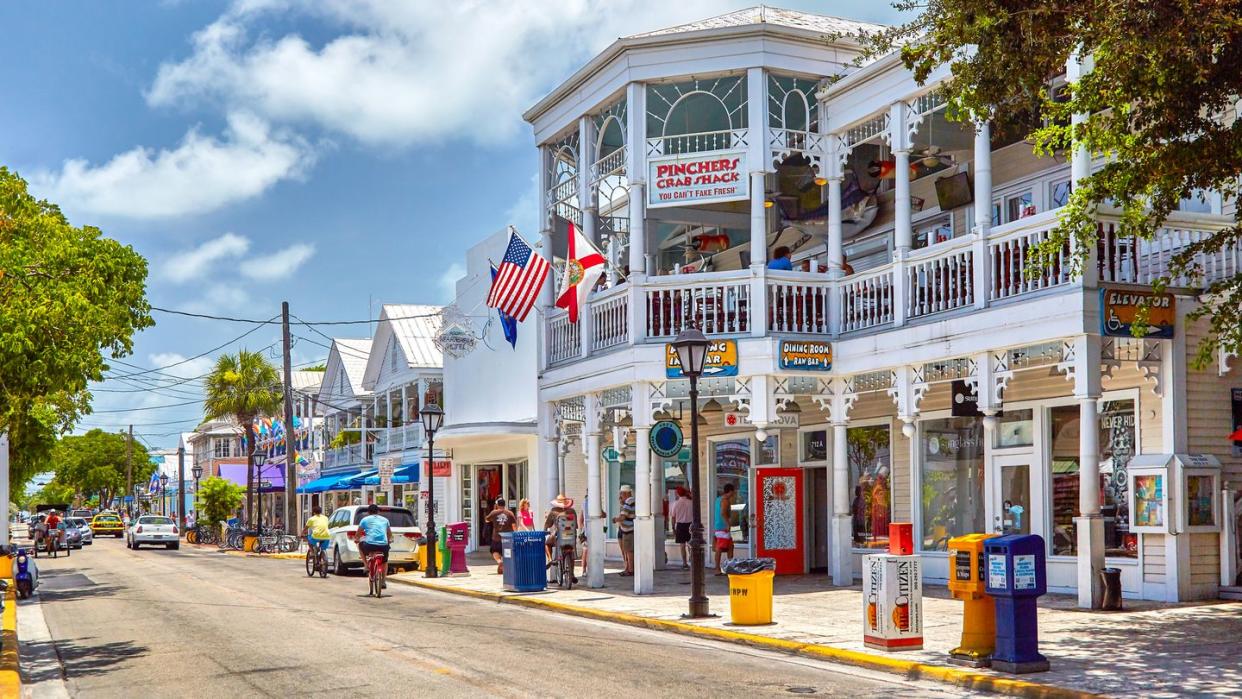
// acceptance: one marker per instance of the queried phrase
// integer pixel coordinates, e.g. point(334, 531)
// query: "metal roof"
point(415, 328)
point(776, 16)
point(307, 381)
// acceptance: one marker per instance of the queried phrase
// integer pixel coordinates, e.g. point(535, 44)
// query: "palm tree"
point(243, 387)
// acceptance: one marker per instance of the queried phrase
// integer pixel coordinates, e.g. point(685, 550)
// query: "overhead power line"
point(188, 359)
point(273, 321)
point(148, 407)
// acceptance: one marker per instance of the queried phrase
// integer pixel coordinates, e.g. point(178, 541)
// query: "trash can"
point(508, 568)
point(529, 562)
point(423, 547)
point(750, 590)
point(1111, 578)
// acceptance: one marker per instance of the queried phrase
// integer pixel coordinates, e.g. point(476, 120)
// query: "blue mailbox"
point(1016, 577)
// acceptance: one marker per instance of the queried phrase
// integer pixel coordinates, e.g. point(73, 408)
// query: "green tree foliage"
point(1161, 96)
point(243, 387)
point(67, 296)
point(217, 499)
point(94, 463)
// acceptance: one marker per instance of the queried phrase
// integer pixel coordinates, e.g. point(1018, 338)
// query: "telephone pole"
point(129, 470)
point(291, 476)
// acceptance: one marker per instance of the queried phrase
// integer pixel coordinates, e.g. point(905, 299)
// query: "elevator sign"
point(697, 178)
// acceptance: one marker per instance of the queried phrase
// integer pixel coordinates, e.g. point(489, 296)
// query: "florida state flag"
point(582, 270)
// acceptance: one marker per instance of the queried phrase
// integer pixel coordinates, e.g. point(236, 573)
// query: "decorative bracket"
point(658, 399)
point(908, 387)
point(837, 396)
point(1223, 357)
point(1150, 364)
point(990, 376)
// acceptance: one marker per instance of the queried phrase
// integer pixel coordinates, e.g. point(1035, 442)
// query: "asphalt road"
point(192, 623)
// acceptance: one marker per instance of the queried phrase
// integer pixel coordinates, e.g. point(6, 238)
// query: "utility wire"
point(149, 407)
point(190, 359)
point(277, 322)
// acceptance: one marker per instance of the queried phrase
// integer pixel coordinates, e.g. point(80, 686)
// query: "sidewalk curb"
point(10, 672)
point(967, 679)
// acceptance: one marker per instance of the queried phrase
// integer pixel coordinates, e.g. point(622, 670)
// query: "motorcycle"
point(25, 574)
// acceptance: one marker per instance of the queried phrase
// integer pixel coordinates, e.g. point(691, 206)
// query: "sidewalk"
point(1149, 649)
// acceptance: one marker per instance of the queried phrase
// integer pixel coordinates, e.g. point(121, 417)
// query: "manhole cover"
point(800, 690)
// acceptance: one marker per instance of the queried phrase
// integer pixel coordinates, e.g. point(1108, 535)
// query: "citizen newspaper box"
point(1174, 493)
point(892, 602)
point(1016, 577)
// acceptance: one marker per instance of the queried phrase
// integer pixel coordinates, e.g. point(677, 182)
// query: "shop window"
point(870, 463)
point(1117, 446)
point(731, 465)
point(935, 231)
point(1059, 194)
point(1016, 429)
point(815, 445)
point(1019, 206)
point(676, 475)
point(769, 453)
point(951, 480)
point(619, 474)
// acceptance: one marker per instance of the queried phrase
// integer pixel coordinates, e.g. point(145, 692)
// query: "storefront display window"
point(1118, 440)
point(1016, 429)
point(675, 476)
point(619, 473)
point(951, 480)
point(815, 445)
point(870, 484)
point(731, 464)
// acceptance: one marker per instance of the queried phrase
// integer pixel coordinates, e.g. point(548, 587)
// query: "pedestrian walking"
point(625, 528)
point(526, 518)
point(723, 521)
point(682, 514)
point(502, 520)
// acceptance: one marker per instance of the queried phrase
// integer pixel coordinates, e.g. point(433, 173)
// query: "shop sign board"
point(697, 178)
point(666, 439)
point(386, 466)
point(442, 469)
point(736, 419)
point(1119, 308)
point(610, 454)
point(965, 400)
point(721, 360)
point(892, 602)
point(802, 355)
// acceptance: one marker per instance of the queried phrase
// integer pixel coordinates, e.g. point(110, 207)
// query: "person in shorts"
point(317, 529)
point(722, 520)
point(681, 512)
point(625, 528)
point(502, 520)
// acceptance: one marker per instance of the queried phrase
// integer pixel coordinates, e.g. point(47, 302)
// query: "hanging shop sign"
point(806, 356)
point(697, 178)
point(721, 360)
point(666, 438)
point(965, 400)
point(736, 419)
point(1119, 308)
point(441, 469)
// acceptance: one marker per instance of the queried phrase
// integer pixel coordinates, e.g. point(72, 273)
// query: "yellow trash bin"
point(248, 543)
point(750, 598)
point(422, 558)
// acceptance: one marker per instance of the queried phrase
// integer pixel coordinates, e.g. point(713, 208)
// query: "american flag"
point(520, 277)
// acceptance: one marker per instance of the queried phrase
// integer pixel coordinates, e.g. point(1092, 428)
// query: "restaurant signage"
point(697, 178)
point(1119, 308)
point(442, 469)
point(806, 356)
point(666, 438)
point(721, 360)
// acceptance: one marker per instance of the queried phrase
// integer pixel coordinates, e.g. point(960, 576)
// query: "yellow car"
point(107, 524)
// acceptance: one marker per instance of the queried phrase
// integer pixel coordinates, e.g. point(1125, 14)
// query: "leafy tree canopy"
point(94, 463)
point(1162, 90)
point(217, 499)
point(67, 296)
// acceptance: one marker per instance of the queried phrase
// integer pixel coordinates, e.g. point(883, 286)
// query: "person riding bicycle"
point(376, 534)
point(53, 531)
point(561, 525)
point(317, 529)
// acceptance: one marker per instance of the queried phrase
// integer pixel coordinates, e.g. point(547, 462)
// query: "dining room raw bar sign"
point(697, 178)
point(806, 355)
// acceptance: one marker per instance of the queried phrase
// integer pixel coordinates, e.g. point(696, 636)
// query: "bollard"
point(967, 583)
point(1016, 577)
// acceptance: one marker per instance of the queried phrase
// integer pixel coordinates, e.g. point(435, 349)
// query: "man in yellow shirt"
point(317, 529)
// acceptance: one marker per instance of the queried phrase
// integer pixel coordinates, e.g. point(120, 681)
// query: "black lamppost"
point(198, 473)
point(691, 347)
point(433, 417)
point(164, 492)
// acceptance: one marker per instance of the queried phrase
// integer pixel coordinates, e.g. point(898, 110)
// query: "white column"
point(758, 155)
point(983, 211)
point(842, 523)
point(1089, 524)
point(405, 415)
point(644, 527)
point(586, 189)
point(636, 174)
point(546, 293)
point(899, 140)
point(595, 494)
point(549, 458)
point(1080, 164)
point(834, 174)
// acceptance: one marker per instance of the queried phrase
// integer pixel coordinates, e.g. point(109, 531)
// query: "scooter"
point(25, 574)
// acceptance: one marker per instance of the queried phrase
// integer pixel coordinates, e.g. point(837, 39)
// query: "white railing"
point(1124, 259)
point(342, 456)
point(564, 340)
point(786, 141)
point(1010, 250)
point(697, 142)
point(717, 303)
point(610, 164)
point(610, 318)
point(797, 304)
point(381, 440)
point(867, 299)
point(411, 436)
point(942, 282)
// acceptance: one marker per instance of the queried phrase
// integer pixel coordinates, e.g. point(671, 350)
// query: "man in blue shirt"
point(780, 259)
point(376, 533)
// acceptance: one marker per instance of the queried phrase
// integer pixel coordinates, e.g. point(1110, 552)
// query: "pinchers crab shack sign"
point(697, 178)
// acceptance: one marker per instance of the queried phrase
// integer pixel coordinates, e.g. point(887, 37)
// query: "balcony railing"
point(956, 275)
point(394, 439)
point(350, 455)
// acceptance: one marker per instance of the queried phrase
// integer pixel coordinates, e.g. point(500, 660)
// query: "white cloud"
point(180, 367)
point(523, 213)
point(448, 281)
point(196, 262)
point(280, 264)
point(401, 73)
point(201, 174)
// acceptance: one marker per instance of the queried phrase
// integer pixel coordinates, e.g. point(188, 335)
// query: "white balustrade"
point(797, 304)
point(697, 142)
point(867, 299)
point(1011, 250)
point(717, 303)
point(942, 282)
point(564, 340)
point(610, 318)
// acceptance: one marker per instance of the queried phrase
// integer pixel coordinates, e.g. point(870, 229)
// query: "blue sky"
point(337, 153)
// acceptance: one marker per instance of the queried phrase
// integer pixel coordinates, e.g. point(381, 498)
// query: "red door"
point(779, 521)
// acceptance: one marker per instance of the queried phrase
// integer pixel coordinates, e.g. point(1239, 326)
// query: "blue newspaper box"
point(1016, 577)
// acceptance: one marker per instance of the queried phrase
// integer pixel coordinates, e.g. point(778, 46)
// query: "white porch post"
point(645, 541)
point(1089, 523)
point(586, 189)
point(405, 416)
point(983, 212)
point(595, 493)
point(549, 459)
point(636, 174)
point(1080, 165)
point(757, 120)
point(833, 172)
point(544, 301)
point(899, 141)
point(842, 524)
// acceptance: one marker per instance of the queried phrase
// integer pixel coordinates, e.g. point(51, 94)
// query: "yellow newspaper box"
point(967, 582)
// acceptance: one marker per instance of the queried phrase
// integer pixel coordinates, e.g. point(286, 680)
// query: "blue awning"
point(356, 481)
point(326, 483)
point(405, 474)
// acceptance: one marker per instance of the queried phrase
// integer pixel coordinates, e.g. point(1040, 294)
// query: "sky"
point(337, 154)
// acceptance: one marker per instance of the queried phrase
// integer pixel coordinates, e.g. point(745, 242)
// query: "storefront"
point(482, 485)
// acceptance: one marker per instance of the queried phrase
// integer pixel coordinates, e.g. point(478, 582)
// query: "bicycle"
point(377, 571)
point(563, 565)
point(316, 561)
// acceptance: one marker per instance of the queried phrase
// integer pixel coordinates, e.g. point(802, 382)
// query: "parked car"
point(72, 538)
point(153, 529)
point(108, 523)
point(343, 536)
point(84, 529)
point(81, 512)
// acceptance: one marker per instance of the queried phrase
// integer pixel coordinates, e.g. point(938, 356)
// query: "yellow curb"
point(10, 675)
point(911, 669)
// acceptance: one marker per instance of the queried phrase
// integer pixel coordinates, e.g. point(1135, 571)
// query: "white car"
point(343, 537)
point(153, 529)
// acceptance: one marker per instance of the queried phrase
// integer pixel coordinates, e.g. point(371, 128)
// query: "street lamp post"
point(433, 417)
point(164, 492)
point(691, 347)
point(197, 471)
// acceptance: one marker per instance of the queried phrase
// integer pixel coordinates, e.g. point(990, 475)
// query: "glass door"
point(1015, 503)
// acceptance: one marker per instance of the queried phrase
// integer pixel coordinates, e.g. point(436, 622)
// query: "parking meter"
point(1016, 577)
point(967, 582)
